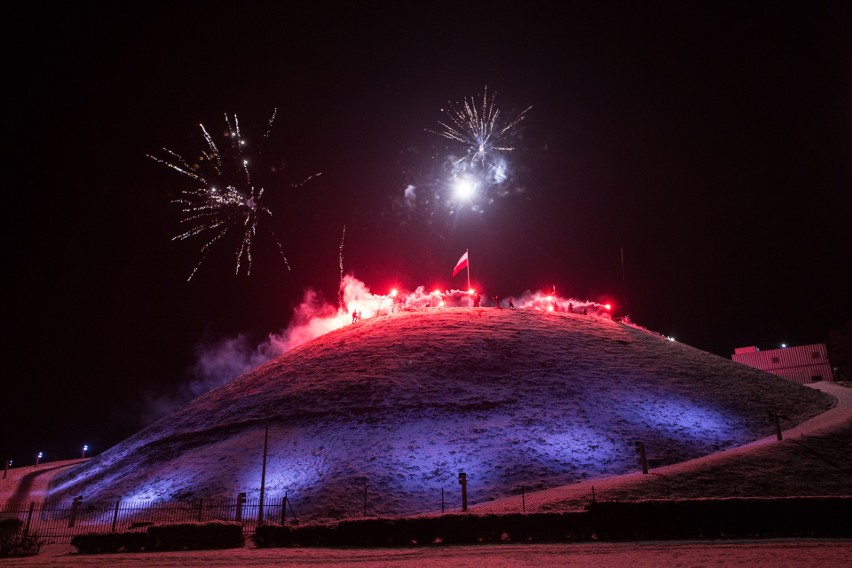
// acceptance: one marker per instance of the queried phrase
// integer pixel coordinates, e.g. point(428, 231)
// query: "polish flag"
point(461, 264)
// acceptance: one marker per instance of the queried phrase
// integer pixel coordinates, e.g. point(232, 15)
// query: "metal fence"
point(60, 522)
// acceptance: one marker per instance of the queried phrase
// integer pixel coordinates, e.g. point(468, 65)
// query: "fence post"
point(263, 473)
point(523, 500)
point(463, 483)
point(365, 500)
point(75, 506)
point(442, 499)
point(774, 416)
point(284, 510)
point(593, 493)
point(241, 499)
point(200, 509)
point(29, 518)
point(115, 515)
point(640, 447)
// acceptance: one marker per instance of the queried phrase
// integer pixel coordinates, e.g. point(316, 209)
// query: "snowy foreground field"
point(774, 553)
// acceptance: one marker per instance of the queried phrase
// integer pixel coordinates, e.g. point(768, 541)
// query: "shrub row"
point(184, 536)
point(715, 518)
point(446, 529)
point(711, 518)
point(95, 543)
point(13, 543)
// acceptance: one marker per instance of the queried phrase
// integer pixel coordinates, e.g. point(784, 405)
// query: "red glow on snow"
point(312, 318)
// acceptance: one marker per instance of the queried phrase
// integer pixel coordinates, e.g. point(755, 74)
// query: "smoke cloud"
point(225, 359)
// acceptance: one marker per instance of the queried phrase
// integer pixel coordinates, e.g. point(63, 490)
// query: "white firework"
point(479, 129)
point(225, 199)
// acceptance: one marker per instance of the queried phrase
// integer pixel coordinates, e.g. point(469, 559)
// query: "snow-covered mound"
point(404, 402)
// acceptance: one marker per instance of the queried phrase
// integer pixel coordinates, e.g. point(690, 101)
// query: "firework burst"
point(479, 169)
point(478, 128)
point(225, 199)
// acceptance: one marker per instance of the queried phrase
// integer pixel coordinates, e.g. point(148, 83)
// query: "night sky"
point(711, 142)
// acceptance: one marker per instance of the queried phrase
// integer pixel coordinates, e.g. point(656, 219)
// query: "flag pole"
point(470, 298)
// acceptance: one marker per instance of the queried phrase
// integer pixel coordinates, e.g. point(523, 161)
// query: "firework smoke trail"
point(340, 293)
point(230, 357)
point(477, 129)
point(342, 239)
point(225, 198)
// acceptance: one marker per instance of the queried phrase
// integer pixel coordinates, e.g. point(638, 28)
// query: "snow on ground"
point(521, 400)
point(775, 553)
point(31, 483)
point(813, 458)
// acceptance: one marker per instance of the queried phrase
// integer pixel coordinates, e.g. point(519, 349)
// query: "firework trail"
point(225, 198)
point(477, 127)
point(340, 293)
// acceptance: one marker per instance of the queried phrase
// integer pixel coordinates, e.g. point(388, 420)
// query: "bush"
point(196, 536)
point(185, 536)
point(638, 520)
point(446, 529)
point(12, 543)
point(95, 543)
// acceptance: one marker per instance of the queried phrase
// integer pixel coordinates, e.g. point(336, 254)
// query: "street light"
point(38, 457)
point(85, 447)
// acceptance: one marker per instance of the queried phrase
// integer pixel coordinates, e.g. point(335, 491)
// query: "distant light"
point(607, 307)
point(393, 293)
point(40, 454)
point(465, 189)
point(471, 291)
point(85, 447)
point(783, 345)
point(670, 338)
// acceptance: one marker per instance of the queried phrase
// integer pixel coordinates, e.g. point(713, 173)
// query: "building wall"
point(801, 364)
